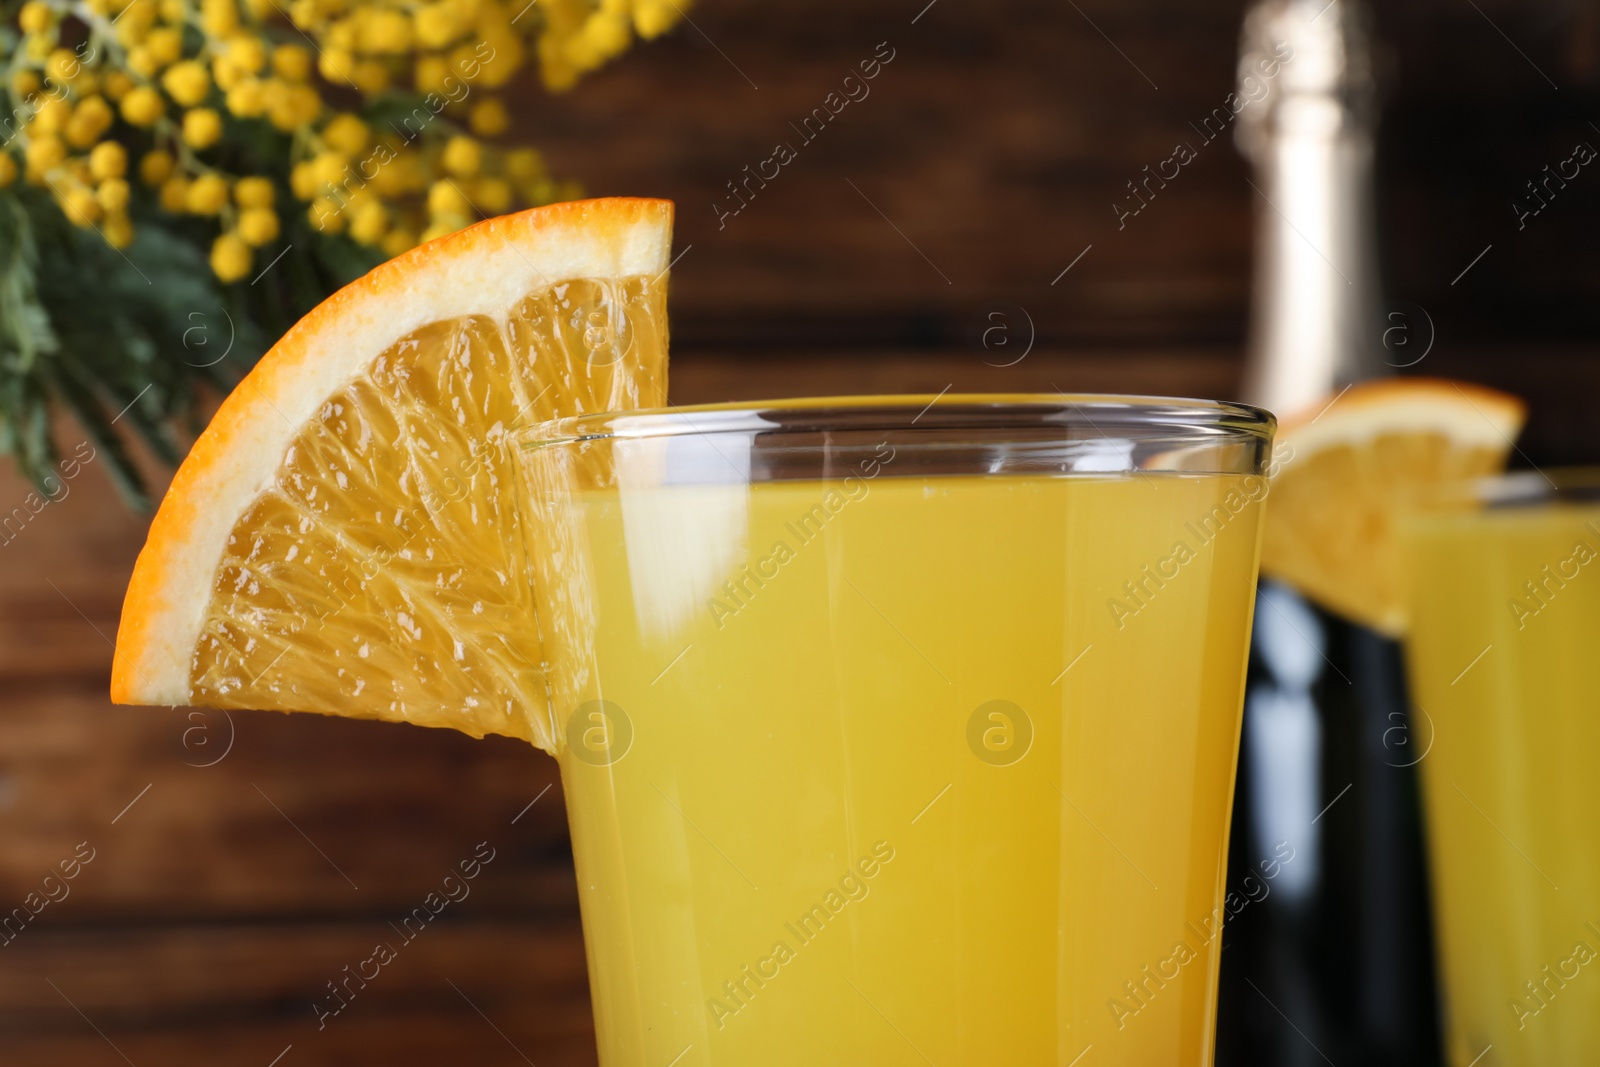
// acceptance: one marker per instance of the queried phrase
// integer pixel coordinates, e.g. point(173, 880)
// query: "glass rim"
point(1525, 488)
point(1154, 419)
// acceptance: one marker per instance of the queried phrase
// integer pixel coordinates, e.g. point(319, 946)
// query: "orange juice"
point(1504, 620)
point(902, 770)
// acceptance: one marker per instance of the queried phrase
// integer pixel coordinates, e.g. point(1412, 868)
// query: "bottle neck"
point(1307, 124)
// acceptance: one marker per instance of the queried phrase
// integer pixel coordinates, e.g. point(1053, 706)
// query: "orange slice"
point(1346, 471)
point(342, 537)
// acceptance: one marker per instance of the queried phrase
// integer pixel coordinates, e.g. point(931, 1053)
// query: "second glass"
point(900, 730)
point(1501, 648)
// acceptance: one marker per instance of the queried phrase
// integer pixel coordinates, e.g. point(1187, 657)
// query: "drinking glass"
point(1505, 622)
point(899, 730)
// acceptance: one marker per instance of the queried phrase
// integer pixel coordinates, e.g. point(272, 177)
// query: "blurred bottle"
point(1309, 132)
point(1335, 962)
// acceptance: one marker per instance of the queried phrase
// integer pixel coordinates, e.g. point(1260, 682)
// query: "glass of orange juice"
point(900, 730)
point(1501, 649)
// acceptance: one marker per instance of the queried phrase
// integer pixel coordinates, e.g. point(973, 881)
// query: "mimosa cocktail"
point(905, 763)
point(1505, 619)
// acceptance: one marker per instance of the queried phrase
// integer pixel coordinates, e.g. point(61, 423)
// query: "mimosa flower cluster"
point(377, 119)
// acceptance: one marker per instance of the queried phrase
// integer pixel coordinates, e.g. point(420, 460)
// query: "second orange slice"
point(1346, 473)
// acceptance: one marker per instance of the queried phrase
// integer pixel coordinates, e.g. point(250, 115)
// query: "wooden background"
point(223, 897)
